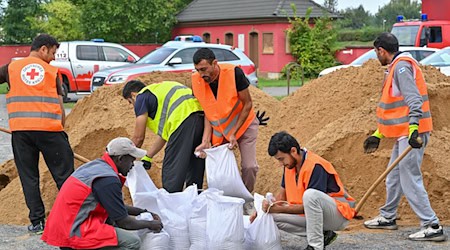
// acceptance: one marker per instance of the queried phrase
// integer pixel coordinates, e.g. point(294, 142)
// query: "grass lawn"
point(3, 88)
point(69, 105)
point(262, 83)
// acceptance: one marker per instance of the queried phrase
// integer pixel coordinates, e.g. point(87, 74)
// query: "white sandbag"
point(175, 209)
point(197, 220)
point(147, 200)
point(222, 172)
point(263, 233)
point(142, 189)
point(138, 180)
point(151, 240)
point(224, 223)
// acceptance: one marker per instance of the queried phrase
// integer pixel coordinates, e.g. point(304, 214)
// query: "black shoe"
point(329, 237)
point(37, 229)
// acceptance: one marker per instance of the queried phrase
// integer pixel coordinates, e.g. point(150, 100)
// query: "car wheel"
point(66, 93)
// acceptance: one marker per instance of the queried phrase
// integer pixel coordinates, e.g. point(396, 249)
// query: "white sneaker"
point(380, 222)
point(430, 233)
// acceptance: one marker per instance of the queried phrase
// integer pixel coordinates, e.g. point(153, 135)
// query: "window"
point(186, 55)
point(88, 52)
point(435, 35)
point(267, 43)
point(218, 41)
point(223, 55)
point(156, 56)
point(229, 39)
point(115, 54)
point(206, 37)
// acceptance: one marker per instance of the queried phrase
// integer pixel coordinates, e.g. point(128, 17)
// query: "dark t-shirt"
point(240, 78)
point(108, 192)
point(4, 77)
point(146, 103)
point(320, 179)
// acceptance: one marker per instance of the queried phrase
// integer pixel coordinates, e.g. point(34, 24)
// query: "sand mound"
point(331, 115)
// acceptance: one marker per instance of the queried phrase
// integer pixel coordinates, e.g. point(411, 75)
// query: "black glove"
point(371, 144)
point(146, 162)
point(413, 142)
point(262, 120)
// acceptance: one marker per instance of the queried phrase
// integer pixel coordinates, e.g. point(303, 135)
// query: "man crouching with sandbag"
point(91, 197)
point(312, 198)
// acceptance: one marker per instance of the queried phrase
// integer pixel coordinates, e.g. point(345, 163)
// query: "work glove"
point(147, 162)
point(413, 136)
point(262, 120)
point(372, 142)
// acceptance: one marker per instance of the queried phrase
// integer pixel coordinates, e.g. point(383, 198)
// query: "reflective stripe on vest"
point(164, 114)
point(34, 115)
point(393, 112)
point(175, 104)
point(295, 190)
point(32, 99)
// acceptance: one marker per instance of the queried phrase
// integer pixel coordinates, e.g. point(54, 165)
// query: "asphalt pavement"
point(17, 237)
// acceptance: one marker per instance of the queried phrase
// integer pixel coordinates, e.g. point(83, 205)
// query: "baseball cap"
point(124, 146)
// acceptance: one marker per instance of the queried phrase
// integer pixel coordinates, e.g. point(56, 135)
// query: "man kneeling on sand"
point(89, 212)
point(312, 198)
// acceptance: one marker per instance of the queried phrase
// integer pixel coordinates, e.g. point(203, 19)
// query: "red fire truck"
point(431, 30)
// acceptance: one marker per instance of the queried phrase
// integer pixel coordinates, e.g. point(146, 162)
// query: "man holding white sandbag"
point(312, 198)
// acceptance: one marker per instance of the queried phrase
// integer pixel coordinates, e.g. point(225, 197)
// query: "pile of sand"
point(331, 115)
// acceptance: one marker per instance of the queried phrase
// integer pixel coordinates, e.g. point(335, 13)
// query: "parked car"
point(418, 53)
point(440, 60)
point(175, 56)
point(79, 60)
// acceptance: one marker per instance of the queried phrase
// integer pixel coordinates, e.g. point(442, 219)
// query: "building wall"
point(269, 63)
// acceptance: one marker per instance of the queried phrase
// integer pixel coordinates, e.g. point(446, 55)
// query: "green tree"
point(312, 46)
point(410, 9)
point(129, 21)
point(331, 5)
point(61, 19)
point(355, 18)
point(18, 18)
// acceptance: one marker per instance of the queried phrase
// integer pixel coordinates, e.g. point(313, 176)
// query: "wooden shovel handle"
point(382, 176)
point(75, 155)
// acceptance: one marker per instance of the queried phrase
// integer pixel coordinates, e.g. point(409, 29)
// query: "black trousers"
point(58, 156)
point(180, 165)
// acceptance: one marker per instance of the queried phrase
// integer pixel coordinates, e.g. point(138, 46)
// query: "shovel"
point(75, 155)
point(382, 176)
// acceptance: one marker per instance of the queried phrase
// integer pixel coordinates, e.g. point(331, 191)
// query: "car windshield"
point(440, 58)
point(157, 56)
point(364, 58)
point(406, 34)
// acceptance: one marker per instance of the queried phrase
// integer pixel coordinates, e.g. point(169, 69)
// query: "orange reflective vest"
point(32, 101)
point(392, 111)
point(224, 111)
point(295, 190)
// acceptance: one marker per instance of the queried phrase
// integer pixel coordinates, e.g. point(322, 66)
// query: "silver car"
point(418, 53)
point(174, 56)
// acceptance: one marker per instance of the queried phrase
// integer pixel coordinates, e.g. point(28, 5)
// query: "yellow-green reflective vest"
point(175, 103)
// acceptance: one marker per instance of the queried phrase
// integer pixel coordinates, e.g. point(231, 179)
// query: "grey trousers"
point(406, 178)
point(127, 240)
point(321, 214)
point(247, 147)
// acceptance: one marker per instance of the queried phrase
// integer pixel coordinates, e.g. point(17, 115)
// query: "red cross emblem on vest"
point(32, 74)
